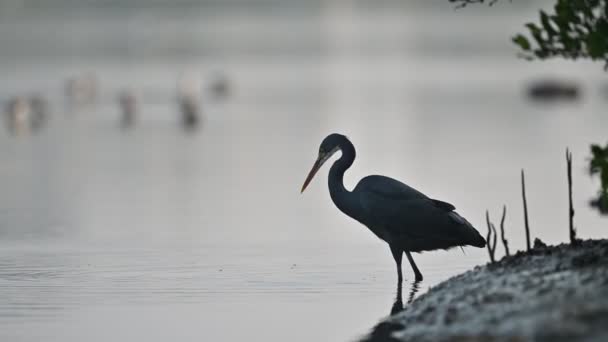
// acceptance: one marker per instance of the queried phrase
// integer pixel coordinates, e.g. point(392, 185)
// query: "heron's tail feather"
point(477, 240)
point(454, 232)
point(469, 234)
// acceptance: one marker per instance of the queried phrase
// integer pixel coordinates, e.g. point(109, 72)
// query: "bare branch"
point(505, 243)
point(488, 237)
point(571, 208)
point(494, 239)
point(523, 195)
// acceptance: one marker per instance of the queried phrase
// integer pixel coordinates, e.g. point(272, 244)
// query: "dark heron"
point(402, 216)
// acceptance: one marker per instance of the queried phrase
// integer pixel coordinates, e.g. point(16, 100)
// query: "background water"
point(156, 233)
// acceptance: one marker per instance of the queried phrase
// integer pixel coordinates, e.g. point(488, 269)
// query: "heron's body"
point(405, 218)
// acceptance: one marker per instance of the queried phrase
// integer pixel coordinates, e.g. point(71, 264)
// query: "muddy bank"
point(555, 293)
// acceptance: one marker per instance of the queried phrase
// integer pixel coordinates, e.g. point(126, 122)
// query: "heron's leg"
point(414, 267)
point(398, 255)
point(398, 303)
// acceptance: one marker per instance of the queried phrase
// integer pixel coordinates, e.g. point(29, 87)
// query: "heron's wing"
point(417, 223)
point(388, 188)
point(401, 214)
point(393, 189)
point(443, 205)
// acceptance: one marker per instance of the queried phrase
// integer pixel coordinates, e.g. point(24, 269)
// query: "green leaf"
point(596, 150)
point(522, 41)
point(546, 22)
point(533, 28)
point(596, 45)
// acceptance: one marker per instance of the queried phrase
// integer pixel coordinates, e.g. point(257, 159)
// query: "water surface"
point(156, 234)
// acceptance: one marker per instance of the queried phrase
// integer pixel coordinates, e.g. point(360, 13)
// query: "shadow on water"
point(398, 304)
point(384, 329)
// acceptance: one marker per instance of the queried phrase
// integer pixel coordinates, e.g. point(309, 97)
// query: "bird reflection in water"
point(398, 304)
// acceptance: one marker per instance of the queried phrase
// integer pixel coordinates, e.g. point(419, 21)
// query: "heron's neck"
point(342, 198)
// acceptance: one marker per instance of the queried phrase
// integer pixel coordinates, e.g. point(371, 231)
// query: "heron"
point(405, 218)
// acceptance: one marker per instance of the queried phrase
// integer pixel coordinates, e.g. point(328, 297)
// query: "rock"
point(538, 243)
point(550, 293)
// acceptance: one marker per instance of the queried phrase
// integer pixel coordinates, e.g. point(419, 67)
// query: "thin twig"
point(494, 238)
point(523, 195)
point(571, 208)
point(505, 243)
point(488, 237)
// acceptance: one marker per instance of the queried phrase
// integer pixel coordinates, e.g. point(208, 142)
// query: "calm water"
point(156, 234)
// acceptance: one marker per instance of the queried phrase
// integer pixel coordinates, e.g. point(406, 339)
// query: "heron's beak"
point(313, 171)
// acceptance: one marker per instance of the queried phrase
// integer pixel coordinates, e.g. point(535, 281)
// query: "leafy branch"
point(599, 166)
point(576, 29)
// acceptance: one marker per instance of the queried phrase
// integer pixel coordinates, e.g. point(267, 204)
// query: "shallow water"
point(156, 233)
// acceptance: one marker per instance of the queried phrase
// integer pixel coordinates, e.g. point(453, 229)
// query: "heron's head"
point(329, 146)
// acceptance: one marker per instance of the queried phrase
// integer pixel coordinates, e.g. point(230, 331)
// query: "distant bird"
point(39, 111)
point(219, 86)
point(189, 99)
point(550, 90)
point(26, 114)
point(82, 90)
point(189, 107)
point(18, 111)
point(405, 218)
point(127, 101)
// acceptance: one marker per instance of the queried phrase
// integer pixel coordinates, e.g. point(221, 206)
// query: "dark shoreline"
point(550, 293)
